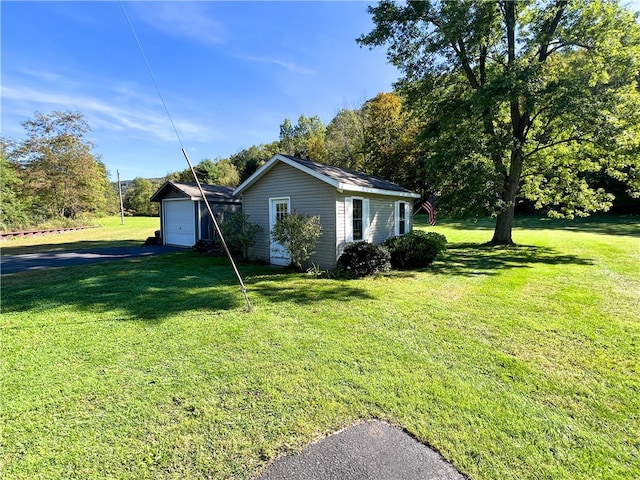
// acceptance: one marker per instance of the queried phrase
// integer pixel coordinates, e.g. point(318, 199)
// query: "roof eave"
point(255, 176)
point(162, 191)
point(281, 158)
point(376, 191)
point(330, 181)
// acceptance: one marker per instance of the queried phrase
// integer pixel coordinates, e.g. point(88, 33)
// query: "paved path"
point(33, 261)
point(372, 450)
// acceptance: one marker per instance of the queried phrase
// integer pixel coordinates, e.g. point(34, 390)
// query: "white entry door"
point(278, 208)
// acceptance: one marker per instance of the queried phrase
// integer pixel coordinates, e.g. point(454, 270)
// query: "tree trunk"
point(504, 225)
point(504, 222)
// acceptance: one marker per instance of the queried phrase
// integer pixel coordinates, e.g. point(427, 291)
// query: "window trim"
point(406, 220)
point(348, 216)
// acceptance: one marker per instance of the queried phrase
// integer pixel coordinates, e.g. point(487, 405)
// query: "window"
point(282, 209)
point(402, 218)
point(357, 219)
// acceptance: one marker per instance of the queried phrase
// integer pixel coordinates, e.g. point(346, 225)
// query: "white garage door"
point(179, 223)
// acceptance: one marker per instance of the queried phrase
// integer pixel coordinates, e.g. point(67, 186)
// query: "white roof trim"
point(347, 187)
point(335, 184)
point(271, 163)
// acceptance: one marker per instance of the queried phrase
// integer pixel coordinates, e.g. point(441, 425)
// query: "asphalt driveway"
point(34, 261)
point(372, 450)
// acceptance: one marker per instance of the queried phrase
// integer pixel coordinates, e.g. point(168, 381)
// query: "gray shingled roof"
point(214, 193)
point(351, 177)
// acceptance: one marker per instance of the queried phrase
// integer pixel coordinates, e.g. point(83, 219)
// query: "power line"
point(153, 77)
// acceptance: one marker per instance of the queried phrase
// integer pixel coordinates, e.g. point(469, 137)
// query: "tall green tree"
point(247, 161)
point(14, 201)
point(137, 197)
point(210, 172)
point(378, 138)
point(345, 139)
point(528, 97)
point(64, 177)
point(225, 173)
point(389, 139)
point(305, 139)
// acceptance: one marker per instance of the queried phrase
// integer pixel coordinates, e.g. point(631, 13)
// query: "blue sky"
point(230, 73)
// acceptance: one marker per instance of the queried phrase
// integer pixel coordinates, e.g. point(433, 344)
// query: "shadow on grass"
point(146, 289)
point(298, 289)
point(156, 288)
point(626, 225)
point(470, 259)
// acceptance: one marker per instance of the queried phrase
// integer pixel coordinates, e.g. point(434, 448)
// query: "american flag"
point(430, 207)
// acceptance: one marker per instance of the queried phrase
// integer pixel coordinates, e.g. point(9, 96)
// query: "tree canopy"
point(137, 197)
point(57, 174)
point(218, 172)
point(14, 208)
point(305, 139)
point(378, 138)
point(530, 97)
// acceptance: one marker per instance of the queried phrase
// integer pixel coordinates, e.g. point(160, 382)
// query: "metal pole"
point(120, 196)
point(215, 223)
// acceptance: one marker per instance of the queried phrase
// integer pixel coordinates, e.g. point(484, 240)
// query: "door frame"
point(278, 255)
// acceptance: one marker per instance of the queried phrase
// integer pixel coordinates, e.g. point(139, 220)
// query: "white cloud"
point(182, 19)
point(289, 66)
point(144, 119)
point(48, 77)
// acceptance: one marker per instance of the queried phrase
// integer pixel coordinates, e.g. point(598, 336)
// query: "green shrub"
point(239, 233)
point(361, 259)
point(298, 234)
point(416, 249)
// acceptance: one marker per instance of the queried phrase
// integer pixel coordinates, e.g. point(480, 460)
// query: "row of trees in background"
point(380, 138)
point(500, 103)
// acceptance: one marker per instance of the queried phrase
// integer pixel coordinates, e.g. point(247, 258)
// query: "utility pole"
point(120, 196)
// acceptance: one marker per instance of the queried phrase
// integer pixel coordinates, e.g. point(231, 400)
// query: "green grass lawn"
point(109, 233)
point(518, 363)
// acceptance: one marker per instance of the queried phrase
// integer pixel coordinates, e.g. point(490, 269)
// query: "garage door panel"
point(179, 223)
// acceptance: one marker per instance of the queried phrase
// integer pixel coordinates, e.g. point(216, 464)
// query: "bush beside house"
point(361, 259)
point(298, 234)
point(416, 249)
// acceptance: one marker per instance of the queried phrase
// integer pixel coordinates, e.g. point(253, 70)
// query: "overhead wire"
point(150, 70)
point(186, 156)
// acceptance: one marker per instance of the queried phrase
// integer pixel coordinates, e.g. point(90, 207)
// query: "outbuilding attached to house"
point(352, 206)
point(184, 219)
